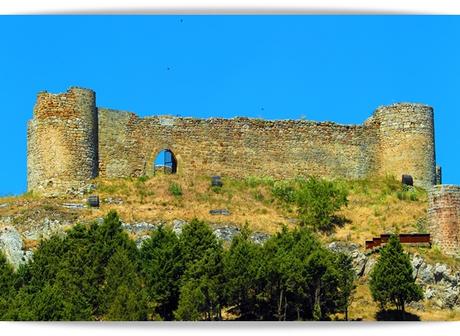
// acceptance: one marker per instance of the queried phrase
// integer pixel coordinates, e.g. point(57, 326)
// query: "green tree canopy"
point(391, 280)
point(162, 268)
point(241, 264)
point(7, 280)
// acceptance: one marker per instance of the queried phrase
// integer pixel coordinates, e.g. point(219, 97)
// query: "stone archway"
point(165, 161)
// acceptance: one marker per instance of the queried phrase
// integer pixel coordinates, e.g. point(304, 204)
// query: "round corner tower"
point(62, 142)
point(444, 217)
point(407, 142)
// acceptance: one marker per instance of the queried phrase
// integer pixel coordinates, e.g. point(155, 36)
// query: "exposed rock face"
point(141, 227)
point(259, 237)
point(46, 229)
point(226, 233)
point(177, 226)
point(440, 284)
point(11, 246)
point(359, 259)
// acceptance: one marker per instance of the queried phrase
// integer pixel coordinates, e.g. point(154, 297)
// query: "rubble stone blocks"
point(71, 141)
point(444, 217)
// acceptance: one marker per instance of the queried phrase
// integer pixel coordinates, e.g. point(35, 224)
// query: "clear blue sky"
point(336, 68)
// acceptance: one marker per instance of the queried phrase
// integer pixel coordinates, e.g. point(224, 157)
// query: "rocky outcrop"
point(441, 285)
point(358, 258)
point(11, 246)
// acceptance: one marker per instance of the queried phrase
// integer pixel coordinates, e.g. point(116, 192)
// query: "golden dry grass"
point(152, 200)
point(373, 208)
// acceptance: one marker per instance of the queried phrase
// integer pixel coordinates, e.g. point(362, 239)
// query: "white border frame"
point(230, 7)
point(398, 7)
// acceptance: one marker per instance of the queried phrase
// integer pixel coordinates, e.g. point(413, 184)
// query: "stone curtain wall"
point(70, 141)
point(62, 150)
point(444, 217)
point(237, 147)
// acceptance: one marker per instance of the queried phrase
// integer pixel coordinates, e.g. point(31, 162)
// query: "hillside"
point(375, 207)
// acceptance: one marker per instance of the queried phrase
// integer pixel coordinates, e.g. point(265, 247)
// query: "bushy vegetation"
point(317, 201)
point(175, 189)
point(96, 272)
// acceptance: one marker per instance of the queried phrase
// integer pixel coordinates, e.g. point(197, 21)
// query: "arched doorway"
point(165, 162)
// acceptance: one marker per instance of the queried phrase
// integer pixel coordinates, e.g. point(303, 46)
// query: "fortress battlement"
point(71, 141)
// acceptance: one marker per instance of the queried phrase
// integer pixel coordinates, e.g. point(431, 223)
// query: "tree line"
point(96, 272)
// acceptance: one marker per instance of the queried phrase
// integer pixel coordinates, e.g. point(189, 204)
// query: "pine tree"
point(347, 277)
point(201, 293)
point(162, 268)
point(195, 240)
point(391, 279)
point(7, 290)
point(123, 294)
point(241, 263)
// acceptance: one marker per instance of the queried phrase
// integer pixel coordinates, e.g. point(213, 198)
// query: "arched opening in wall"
point(165, 162)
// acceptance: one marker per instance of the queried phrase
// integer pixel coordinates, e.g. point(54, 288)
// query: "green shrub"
point(216, 189)
point(283, 190)
point(143, 178)
point(258, 196)
point(316, 200)
point(175, 189)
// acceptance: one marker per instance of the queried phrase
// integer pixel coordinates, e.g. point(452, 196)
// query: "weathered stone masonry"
point(71, 141)
point(444, 218)
point(62, 141)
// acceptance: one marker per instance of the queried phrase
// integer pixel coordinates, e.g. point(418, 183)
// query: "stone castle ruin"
point(71, 141)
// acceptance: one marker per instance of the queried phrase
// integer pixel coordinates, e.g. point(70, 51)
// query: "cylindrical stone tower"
point(62, 142)
point(407, 142)
point(444, 217)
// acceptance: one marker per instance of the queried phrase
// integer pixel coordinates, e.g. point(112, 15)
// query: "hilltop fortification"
point(71, 141)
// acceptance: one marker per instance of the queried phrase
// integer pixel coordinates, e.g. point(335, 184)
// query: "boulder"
point(259, 237)
point(429, 293)
point(177, 226)
point(441, 272)
point(226, 233)
point(359, 259)
point(371, 261)
point(224, 212)
point(426, 275)
point(11, 246)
